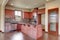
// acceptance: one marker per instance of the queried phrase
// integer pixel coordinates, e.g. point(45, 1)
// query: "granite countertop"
point(13, 21)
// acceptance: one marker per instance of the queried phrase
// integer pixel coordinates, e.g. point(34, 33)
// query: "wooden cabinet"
point(28, 15)
point(9, 13)
point(39, 18)
point(19, 27)
point(31, 31)
point(41, 11)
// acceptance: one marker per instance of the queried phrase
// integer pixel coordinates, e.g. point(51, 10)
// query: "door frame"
point(50, 32)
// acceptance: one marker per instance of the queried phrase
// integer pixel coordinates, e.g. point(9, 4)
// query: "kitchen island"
point(34, 31)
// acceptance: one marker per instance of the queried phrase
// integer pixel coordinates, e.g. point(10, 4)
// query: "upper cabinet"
point(41, 11)
point(9, 13)
point(28, 15)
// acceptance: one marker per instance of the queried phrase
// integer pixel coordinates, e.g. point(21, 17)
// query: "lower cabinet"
point(19, 27)
point(10, 27)
point(32, 31)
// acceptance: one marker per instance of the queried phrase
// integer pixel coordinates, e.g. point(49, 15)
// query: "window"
point(18, 15)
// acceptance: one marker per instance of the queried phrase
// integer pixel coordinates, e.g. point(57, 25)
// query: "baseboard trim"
point(9, 31)
point(0, 31)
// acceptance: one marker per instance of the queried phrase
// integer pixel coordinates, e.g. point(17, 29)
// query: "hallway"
point(21, 36)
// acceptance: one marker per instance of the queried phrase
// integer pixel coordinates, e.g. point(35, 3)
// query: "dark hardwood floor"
point(21, 36)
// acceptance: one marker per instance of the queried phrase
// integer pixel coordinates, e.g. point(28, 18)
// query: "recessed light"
point(27, 7)
point(47, 0)
point(12, 4)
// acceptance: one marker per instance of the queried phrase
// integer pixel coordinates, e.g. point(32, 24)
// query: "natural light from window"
point(18, 13)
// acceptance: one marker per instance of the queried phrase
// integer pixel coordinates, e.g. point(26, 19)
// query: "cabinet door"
point(30, 15)
point(9, 13)
point(19, 27)
point(26, 14)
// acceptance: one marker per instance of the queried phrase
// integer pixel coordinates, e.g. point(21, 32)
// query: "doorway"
point(53, 21)
point(43, 21)
point(41, 18)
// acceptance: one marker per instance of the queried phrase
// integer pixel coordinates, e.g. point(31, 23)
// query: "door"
point(53, 21)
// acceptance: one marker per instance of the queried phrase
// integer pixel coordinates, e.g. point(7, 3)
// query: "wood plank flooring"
point(21, 36)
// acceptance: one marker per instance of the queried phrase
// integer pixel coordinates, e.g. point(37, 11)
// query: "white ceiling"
point(1, 1)
point(26, 3)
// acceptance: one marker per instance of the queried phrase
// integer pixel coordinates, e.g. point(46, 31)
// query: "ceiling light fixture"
point(12, 4)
